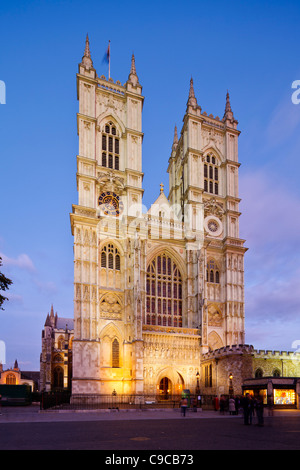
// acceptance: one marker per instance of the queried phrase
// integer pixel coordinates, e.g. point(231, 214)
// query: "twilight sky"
point(249, 48)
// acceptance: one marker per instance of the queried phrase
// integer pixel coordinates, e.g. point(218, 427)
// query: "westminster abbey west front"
point(155, 290)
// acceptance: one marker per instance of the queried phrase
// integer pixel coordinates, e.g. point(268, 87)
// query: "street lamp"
point(230, 385)
point(197, 386)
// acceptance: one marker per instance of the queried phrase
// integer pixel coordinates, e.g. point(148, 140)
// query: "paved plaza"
point(27, 428)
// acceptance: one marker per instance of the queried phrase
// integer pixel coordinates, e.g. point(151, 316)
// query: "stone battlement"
point(249, 349)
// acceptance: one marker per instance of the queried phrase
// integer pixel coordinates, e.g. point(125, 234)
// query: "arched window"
point(61, 342)
point(110, 257)
point(212, 272)
point(58, 377)
point(115, 353)
point(164, 292)
point(276, 373)
point(211, 175)
point(258, 373)
point(11, 379)
point(110, 147)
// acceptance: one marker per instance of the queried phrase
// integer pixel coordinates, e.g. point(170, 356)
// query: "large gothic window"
point(164, 292)
point(110, 147)
point(110, 257)
point(211, 175)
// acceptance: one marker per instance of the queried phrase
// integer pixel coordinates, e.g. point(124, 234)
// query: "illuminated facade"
point(56, 354)
point(154, 289)
point(14, 376)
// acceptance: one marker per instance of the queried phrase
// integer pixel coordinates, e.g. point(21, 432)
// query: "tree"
point(4, 285)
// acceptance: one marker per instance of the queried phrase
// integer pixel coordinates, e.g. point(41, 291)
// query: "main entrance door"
point(165, 388)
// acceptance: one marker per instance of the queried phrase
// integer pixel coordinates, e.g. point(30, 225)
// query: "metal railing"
point(66, 401)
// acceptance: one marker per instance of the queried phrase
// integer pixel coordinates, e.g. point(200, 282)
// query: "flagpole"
point(109, 60)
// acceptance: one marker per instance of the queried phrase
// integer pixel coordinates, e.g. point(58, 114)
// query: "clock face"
point(110, 203)
point(213, 226)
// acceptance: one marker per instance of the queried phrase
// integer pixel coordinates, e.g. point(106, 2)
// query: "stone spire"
point(52, 312)
point(192, 99)
point(133, 78)
point(86, 59)
point(228, 114)
point(175, 140)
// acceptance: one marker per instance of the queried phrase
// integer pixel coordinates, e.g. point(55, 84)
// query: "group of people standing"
point(252, 406)
point(249, 405)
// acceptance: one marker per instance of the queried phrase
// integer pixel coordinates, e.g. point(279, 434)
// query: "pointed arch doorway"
point(165, 388)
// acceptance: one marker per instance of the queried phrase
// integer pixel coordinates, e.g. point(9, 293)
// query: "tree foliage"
point(4, 285)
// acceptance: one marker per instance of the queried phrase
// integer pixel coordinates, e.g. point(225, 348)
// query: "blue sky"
point(249, 48)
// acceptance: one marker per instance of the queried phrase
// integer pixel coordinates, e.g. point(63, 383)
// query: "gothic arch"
point(114, 242)
point(169, 251)
point(212, 150)
point(61, 342)
point(58, 377)
point(214, 341)
point(175, 378)
point(103, 118)
point(111, 331)
point(108, 338)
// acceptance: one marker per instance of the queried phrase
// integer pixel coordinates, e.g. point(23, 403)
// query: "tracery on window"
point(110, 147)
point(211, 175)
point(110, 257)
point(212, 272)
point(61, 342)
point(11, 379)
point(163, 292)
point(115, 353)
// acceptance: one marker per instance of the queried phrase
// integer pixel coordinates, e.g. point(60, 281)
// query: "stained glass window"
point(164, 292)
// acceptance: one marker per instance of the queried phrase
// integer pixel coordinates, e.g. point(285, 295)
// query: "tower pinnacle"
point(175, 140)
point(86, 59)
point(228, 114)
point(192, 101)
point(133, 78)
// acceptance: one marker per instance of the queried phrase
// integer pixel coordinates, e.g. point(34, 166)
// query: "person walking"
point(260, 411)
point(251, 409)
point(222, 404)
point(184, 404)
point(216, 403)
point(246, 408)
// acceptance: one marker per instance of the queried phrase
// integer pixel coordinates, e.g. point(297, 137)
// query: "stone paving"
point(34, 414)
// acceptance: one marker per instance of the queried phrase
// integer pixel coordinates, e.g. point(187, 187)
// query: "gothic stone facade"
point(56, 355)
point(154, 289)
